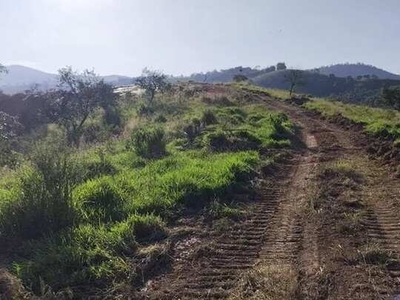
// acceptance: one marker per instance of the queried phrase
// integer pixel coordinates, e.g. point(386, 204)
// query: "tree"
point(79, 95)
point(294, 77)
point(239, 78)
point(281, 66)
point(270, 69)
point(391, 97)
point(152, 82)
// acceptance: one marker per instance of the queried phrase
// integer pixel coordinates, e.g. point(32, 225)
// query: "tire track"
point(238, 250)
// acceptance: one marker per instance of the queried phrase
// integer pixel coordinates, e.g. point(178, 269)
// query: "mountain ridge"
point(21, 78)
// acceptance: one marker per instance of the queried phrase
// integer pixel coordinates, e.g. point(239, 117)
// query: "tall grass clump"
point(89, 253)
point(99, 200)
point(148, 142)
point(43, 204)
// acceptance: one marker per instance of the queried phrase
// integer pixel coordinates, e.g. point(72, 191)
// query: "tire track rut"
point(238, 250)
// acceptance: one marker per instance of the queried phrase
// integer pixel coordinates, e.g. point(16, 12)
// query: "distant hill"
point(366, 90)
point(354, 70)
point(21, 78)
point(226, 75)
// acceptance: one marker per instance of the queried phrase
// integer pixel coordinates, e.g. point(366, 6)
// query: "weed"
point(208, 117)
point(373, 254)
point(222, 210)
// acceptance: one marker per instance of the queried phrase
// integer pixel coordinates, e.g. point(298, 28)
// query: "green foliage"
point(148, 142)
point(239, 78)
point(209, 117)
point(88, 253)
point(231, 115)
point(44, 202)
point(222, 210)
point(160, 119)
point(83, 217)
point(152, 82)
point(184, 179)
point(376, 121)
point(81, 96)
point(234, 140)
point(97, 164)
point(391, 97)
point(99, 201)
point(193, 129)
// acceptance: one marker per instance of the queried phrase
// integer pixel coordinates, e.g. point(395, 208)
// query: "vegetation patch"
point(83, 214)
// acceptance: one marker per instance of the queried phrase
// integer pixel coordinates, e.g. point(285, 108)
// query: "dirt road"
point(324, 226)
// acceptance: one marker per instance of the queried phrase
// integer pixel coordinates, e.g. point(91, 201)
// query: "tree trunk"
point(291, 89)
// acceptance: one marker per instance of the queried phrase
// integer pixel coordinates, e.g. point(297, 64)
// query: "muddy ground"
point(323, 225)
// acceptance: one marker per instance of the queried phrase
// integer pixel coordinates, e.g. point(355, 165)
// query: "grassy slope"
point(376, 121)
point(122, 200)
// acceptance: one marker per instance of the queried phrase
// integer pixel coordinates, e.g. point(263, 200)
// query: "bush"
point(44, 204)
point(144, 110)
point(208, 117)
point(8, 157)
point(112, 117)
point(160, 119)
point(148, 142)
point(235, 140)
point(192, 130)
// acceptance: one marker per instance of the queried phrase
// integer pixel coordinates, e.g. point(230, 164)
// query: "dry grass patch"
point(267, 283)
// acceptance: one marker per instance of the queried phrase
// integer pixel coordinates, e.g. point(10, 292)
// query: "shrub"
point(144, 110)
point(192, 130)
point(44, 204)
point(160, 119)
point(112, 117)
point(208, 117)
point(148, 142)
point(94, 133)
point(8, 157)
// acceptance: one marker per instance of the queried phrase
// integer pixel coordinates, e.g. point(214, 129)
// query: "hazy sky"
point(185, 36)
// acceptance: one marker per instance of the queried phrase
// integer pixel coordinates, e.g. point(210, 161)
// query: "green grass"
point(376, 121)
point(118, 196)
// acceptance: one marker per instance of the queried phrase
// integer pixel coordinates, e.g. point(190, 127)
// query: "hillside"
point(226, 75)
point(225, 178)
point(348, 89)
point(21, 78)
point(354, 70)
